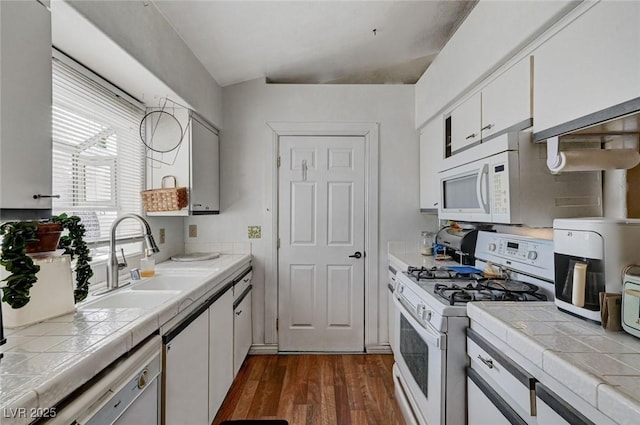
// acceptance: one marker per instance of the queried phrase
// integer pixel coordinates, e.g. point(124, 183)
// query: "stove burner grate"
point(423, 273)
point(455, 293)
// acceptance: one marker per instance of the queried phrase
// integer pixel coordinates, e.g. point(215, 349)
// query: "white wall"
point(246, 169)
point(144, 34)
point(492, 33)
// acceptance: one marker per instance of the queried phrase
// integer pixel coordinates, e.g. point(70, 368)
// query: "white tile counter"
point(600, 367)
point(405, 254)
point(45, 362)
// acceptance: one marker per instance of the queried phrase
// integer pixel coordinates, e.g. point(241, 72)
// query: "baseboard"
point(262, 349)
point(378, 349)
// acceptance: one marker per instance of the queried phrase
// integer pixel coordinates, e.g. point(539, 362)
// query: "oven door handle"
point(426, 331)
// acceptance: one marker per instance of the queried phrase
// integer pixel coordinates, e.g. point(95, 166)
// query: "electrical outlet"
point(193, 230)
point(254, 232)
point(163, 236)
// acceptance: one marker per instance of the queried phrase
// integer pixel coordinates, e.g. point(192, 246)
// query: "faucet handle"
point(124, 260)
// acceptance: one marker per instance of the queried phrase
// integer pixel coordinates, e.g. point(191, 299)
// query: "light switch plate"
point(163, 236)
point(193, 230)
point(254, 232)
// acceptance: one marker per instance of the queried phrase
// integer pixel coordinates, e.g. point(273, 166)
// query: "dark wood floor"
point(313, 389)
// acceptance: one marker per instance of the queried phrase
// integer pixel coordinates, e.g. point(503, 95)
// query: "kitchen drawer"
point(486, 407)
point(554, 410)
point(508, 379)
point(242, 282)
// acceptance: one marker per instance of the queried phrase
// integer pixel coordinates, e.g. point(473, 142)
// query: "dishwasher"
point(127, 393)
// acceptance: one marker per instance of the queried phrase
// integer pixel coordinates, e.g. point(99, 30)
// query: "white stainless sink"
point(175, 282)
point(133, 299)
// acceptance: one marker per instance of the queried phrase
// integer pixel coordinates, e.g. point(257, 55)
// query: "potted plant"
point(22, 237)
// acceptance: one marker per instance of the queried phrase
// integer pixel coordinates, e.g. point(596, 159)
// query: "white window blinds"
point(98, 158)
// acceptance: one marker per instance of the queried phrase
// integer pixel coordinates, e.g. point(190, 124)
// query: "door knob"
point(357, 254)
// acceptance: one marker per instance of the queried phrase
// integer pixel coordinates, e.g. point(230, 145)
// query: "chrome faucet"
point(113, 265)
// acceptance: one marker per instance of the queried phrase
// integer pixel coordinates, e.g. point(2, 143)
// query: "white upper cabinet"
point(466, 122)
point(506, 101)
point(195, 164)
point(25, 110)
point(431, 154)
point(503, 105)
point(590, 65)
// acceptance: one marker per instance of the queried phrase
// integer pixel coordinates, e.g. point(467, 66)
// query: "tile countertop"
point(601, 367)
point(405, 254)
point(45, 362)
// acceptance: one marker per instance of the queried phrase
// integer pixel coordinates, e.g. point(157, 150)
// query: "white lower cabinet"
point(185, 374)
point(552, 409)
point(485, 406)
point(503, 391)
point(220, 351)
point(198, 361)
point(242, 336)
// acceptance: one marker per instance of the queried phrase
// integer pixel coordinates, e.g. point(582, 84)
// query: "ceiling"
point(354, 42)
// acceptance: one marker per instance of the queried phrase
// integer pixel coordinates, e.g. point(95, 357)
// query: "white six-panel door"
point(321, 224)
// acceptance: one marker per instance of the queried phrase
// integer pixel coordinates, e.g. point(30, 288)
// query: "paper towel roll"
point(596, 159)
point(579, 283)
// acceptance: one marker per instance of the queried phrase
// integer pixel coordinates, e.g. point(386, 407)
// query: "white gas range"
point(431, 321)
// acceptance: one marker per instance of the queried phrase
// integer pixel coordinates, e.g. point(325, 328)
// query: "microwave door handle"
point(482, 189)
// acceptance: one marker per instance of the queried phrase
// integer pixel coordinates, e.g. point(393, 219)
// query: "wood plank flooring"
point(314, 389)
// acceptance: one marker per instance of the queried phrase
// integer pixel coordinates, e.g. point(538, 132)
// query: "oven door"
point(464, 193)
point(421, 362)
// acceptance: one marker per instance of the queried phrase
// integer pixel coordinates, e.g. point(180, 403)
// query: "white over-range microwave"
point(511, 184)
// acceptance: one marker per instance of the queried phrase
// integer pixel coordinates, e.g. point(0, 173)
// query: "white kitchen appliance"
point(590, 256)
point(510, 184)
point(631, 301)
point(431, 319)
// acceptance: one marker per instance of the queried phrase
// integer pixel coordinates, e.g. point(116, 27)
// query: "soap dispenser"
point(147, 264)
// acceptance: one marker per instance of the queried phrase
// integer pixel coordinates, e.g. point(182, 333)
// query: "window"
point(98, 158)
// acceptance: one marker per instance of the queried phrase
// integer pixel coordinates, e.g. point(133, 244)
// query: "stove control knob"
point(492, 247)
point(532, 255)
point(400, 289)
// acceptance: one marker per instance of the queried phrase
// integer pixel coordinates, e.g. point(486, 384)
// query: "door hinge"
point(278, 244)
point(277, 324)
point(278, 162)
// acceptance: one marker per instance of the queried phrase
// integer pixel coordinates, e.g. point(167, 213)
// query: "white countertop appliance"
point(631, 301)
point(431, 318)
point(590, 256)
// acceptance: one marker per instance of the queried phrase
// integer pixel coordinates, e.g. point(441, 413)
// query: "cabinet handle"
point(471, 136)
point(238, 313)
point(487, 127)
point(435, 204)
point(142, 379)
point(488, 363)
point(39, 196)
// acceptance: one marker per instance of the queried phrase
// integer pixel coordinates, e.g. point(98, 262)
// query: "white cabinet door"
point(242, 336)
point(431, 154)
point(186, 383)
point(592, 64)
point(220, 351)
point(195, 164)
point(480, 409)
point(506, 101)
point(25, 107)
point(466, 123)
point(205, 165)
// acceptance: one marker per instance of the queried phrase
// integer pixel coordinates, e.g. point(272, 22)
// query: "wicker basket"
point(165, 199)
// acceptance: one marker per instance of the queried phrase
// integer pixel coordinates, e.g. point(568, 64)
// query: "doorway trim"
point(369, 131)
